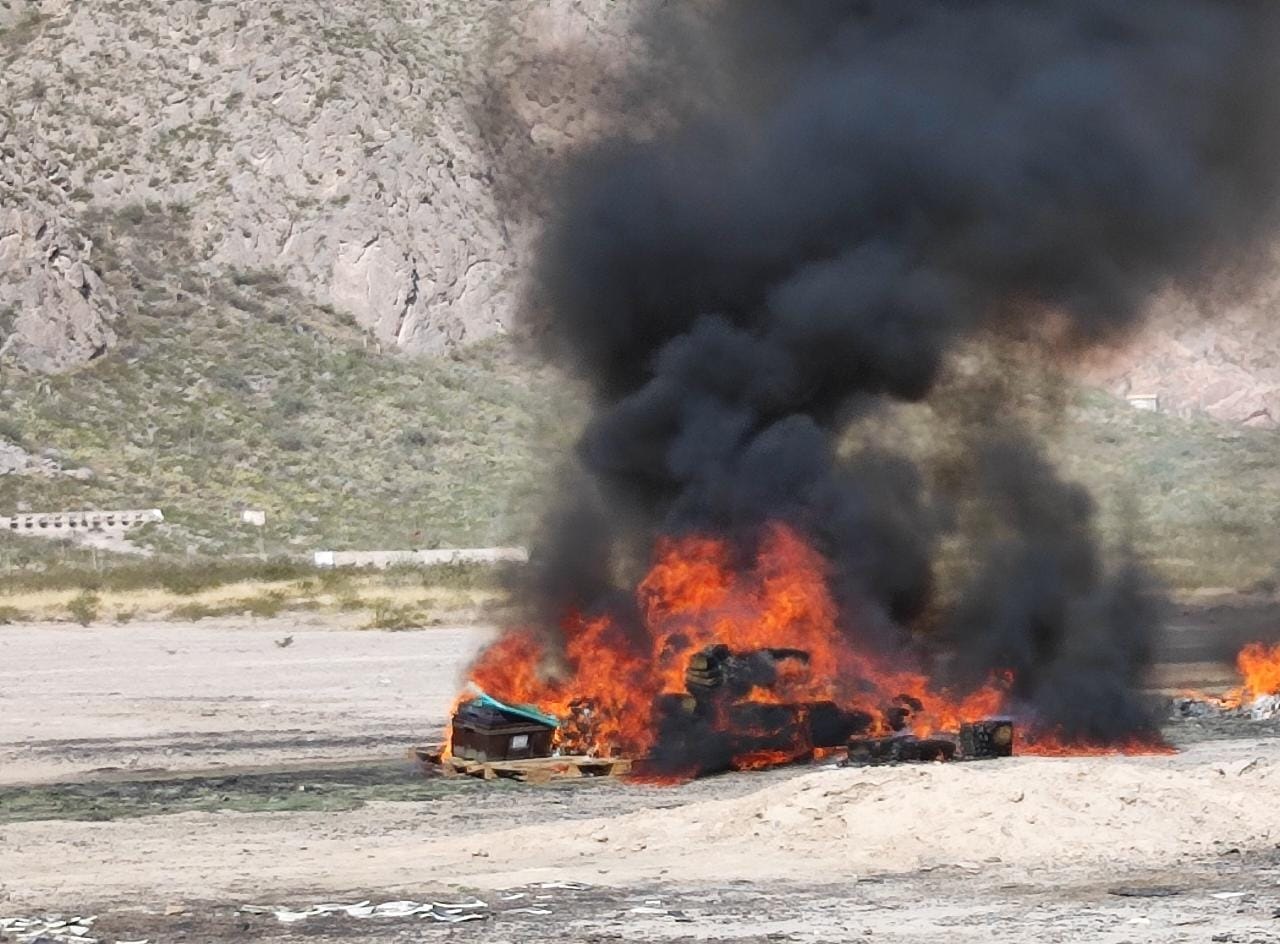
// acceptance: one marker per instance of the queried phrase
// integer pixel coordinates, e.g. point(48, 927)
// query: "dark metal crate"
point(483, 733)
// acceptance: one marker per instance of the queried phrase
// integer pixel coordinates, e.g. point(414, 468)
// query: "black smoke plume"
point(844, 192)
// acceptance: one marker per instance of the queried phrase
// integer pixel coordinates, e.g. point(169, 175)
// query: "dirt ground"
point(148, 697)
point(162, 777)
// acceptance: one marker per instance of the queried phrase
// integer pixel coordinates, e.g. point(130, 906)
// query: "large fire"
point(617, 685)
point(1259, 668)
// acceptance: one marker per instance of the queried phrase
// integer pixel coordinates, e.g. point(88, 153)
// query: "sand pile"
point(1025, 813)
point(1083, 819)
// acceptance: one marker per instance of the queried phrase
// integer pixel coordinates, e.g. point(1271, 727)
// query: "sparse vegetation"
point(183, 578)
point(392, 616)
point(1192, 496)
point(253, 589)
point(261, 606)
point(1195, 496)
point(84, 607)
point(233, 391)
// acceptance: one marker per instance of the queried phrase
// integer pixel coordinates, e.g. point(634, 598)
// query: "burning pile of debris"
point(745, 566)
point(669, 694)
point(491, 733)
point(1256, 698)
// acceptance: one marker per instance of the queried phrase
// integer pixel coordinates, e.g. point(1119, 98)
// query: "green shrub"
point(192, 612)
point(84, 607)
point(389, 616)
point(263, 606)
point(183, 577)
point(9, 429)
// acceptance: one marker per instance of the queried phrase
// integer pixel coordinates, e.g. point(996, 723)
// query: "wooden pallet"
point(534, 770)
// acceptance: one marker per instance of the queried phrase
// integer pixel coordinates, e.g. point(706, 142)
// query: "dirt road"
point(173, 696)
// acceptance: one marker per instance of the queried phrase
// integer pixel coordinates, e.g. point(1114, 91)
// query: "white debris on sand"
point(1261, 708)
point(51, 928)
point(1264, 707)
point(445, 912)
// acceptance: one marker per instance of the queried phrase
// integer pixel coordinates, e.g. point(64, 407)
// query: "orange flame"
point(696, 595)
point(1051, 744)
point(1259, 668)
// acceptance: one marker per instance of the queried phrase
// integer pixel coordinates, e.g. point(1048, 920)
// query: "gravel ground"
point(143, 764)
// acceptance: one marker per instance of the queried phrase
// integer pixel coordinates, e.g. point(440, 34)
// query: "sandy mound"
point(1094, 817)
point(1025, 813)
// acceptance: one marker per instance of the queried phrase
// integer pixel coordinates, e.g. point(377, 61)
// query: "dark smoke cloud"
point(1076, 637)
point(855, 187)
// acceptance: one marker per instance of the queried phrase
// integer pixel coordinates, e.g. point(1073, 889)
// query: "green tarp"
point(528, 712)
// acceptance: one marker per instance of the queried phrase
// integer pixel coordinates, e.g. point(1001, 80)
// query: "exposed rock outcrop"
point(342, 144)
point(14, 460)
point(55, 311)
point(384, 158)
point(1220, 359)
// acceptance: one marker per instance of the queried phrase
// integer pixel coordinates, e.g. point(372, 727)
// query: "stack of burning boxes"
point(976, 740)
point(718, 682)
point(719, 673)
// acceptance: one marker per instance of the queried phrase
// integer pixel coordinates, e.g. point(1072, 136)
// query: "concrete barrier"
point(65, 522)
point(427, 558)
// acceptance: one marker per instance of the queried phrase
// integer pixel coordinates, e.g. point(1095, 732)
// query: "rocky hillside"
point(360, 150)
point(1218, 359)
point(223, 225)
point(376, 157)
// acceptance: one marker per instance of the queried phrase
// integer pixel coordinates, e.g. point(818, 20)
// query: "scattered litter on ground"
point(1260, 708)
point(460, 906)
point(447, 912)
point(655, 907)
point(49, 929)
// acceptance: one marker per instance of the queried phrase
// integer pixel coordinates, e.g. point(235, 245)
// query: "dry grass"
point(378, 601)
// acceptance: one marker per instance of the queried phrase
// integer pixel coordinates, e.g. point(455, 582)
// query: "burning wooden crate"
point(977, 740)
point(900, 749)
point(990, 738)
point(718, 671)
point(485, 729)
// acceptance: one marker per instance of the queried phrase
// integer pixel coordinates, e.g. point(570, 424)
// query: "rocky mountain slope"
point(374, 156)
point(222, 225)
point(351, 147)
point(1220, 360)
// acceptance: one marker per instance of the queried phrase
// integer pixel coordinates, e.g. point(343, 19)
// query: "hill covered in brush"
point(270, 255)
